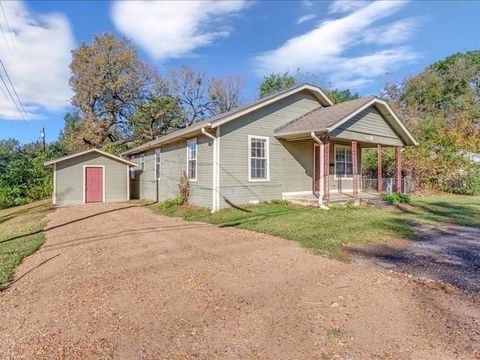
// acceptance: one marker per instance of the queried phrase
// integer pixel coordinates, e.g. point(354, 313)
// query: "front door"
point(316, 162)
point(93, 184)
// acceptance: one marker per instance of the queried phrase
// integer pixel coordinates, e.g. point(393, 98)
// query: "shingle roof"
point(323, 118)
point(215, 119)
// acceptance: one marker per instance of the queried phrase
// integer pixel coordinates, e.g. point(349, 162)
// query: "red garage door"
point(93, 184)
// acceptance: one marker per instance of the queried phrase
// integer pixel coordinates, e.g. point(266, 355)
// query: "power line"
point(11, 97)
point(6, 21)
point(13, 87)
point(4, 93)
point(4, 36)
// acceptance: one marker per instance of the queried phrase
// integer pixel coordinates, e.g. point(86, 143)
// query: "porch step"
point(302, 201)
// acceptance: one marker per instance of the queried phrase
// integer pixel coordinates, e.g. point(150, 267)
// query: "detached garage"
point(91, 176)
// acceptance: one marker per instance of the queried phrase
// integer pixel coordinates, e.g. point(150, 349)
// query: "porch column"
point(355, 170)
point(326, 164)
point(379, 169)
point(398, 172)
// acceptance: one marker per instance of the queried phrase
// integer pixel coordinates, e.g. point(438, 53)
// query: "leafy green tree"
point(441, 106)
point(23, 177)
point(110, 82)
point(156, 117)
point(339, 96)
point(275, 83)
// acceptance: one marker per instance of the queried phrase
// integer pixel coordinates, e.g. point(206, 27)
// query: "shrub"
point(468, 184)
point(396, 198)
point(176, 201)
point(184, 187)
point(11, 197)
point(279, 202)
point(351, 205)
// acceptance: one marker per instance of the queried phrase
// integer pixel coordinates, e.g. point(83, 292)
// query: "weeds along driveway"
point(119, 281)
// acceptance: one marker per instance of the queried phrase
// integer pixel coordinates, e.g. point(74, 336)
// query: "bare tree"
point(191, 89)
point(225, 93)
point(201, 97)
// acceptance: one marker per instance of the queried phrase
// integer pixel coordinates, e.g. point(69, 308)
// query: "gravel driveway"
point(450, 254)
point(117, 281)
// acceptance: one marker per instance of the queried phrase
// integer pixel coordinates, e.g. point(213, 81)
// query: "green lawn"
point(324, 231)
point(21, 233)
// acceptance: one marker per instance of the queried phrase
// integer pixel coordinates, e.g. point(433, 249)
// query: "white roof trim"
point(374, 101)
point(114, 157)
point(319, 94)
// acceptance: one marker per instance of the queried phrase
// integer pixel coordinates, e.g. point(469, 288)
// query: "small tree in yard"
point(184, 187)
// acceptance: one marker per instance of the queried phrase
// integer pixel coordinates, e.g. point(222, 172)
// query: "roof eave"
point(50, 163)
point(165, 140)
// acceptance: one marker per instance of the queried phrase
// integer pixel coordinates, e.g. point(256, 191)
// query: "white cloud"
point(343, 6)
point(394, 33)
point(337, 49)
point(36, 54)
point(305, 18)
point(307, 3)
point(171, 29)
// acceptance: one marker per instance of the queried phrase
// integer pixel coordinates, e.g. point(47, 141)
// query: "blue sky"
point(347, 44)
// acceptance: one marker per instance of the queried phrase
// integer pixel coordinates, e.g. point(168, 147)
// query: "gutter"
point(321, 205)
point(215, 169)
point(166, 138)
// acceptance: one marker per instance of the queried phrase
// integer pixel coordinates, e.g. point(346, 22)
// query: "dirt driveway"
point(121, 282)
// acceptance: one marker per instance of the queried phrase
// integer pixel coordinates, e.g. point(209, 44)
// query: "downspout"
point(215, 164)
point(321, 205)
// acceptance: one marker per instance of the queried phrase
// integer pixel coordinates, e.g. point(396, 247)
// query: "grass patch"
point(21, 234)
point(336, 332)
point(325, 232)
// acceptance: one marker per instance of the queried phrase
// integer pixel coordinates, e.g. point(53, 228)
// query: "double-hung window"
point(157, 163)
point(192, 159)
point(141, 163)
point(343, 162)
point(258, 162)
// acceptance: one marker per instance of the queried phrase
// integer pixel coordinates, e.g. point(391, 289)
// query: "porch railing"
point(388, 184)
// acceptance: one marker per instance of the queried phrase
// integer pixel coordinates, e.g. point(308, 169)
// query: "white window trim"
point(142, 162)
point(267, 155)
point(157, 164)
point(196, 159)
point(103, 180)
point(346, 177)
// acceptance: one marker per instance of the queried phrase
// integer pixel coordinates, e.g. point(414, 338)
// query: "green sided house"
point(295, 145)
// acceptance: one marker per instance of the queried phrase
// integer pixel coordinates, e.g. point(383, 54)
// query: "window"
point(192, 159)
point(157, 163)
point(258, 166)
point(142, 162)
point(343, 161)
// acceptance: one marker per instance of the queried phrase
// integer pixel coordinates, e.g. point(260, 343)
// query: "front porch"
point(338, 135)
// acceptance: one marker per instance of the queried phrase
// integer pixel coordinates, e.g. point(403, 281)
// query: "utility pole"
point(42, 137)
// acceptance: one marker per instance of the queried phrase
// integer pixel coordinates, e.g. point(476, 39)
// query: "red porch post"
point(355, 170)
point(398, 158)
point(326, 163)
point(379, 169)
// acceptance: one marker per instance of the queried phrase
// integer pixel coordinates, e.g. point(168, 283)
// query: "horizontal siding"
point(291, 163)
point(172, 163)
point(69, 179)
point(368, 126)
